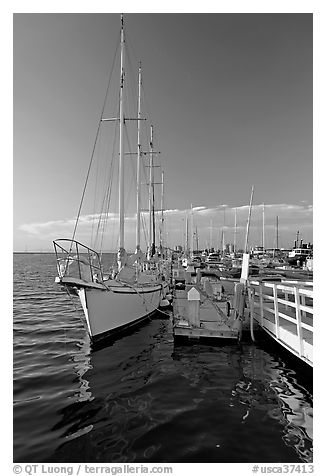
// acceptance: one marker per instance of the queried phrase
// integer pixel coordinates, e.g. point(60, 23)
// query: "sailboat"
point(133, 291)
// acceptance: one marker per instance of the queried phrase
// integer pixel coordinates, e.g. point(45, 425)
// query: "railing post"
point(298, 318)
point(100, 265)
point(56, 258)
point(277, 324)
point(303, 302)
point(77, 252)
point(90, 264)
point(286, 297)
point(261, 300)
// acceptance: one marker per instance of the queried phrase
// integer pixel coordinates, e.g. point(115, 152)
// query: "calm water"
point(141, 398)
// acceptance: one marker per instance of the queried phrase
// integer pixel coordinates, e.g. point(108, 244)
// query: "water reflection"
point(82, 361)
point(143, 399)
point(261, 384)
point(266, 382)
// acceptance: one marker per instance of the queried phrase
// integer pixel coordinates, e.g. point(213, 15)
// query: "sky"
point(231, 98)
point(232, 103)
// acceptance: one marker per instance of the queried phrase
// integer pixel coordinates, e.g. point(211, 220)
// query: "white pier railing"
point(285, 311)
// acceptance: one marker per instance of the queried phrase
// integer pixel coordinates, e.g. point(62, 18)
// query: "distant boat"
point(300, 252)
point(213, 259)
point(135, 289)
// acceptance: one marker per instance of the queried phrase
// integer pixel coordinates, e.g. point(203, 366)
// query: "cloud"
point(209, 222)
point(41, 228)
point(175, 211)
point(49, 227)
point(198, 209)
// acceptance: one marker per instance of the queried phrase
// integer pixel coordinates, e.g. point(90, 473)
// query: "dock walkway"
point(198, 315)
point(285, 311)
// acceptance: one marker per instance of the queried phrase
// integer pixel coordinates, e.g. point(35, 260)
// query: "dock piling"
point(193, 297)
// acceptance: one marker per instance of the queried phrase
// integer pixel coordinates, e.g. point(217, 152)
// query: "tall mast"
point(264, 227)
point(192, 232)
point(162, 213)
point(138, 161)
point(187, 235)
point(197, 239)
point(223, 234)
point(235, 230)
point(151, 198)
point(276, 236)
point(211, 235)
point(121, 148)
point(248, 221)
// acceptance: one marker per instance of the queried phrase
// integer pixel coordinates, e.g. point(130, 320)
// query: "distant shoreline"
point(33, 252)
point(48, 252)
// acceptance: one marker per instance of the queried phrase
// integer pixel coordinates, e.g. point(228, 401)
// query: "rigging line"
point(133, 169)
point(105, 181)
point(130, 46)
point(94, 146)
point(134, 70)
point(107, 201)
point(144, 229)
point(104, 214)
point(94, 204)
point(103, 221)
point(104, 209)
point(143, 223)
point(145, 168)
point(163, 312)
point(132, 161)
point(132, 83)
point(116, 241)
point(146, 108)
point(107, 197)
point(113, 226)
point(133, 65)
point(157, 156)
point(146, 182)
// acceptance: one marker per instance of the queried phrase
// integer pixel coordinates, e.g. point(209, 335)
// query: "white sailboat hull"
point(109, 311)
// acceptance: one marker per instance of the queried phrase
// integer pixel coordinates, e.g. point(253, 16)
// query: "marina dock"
point(197, 315)
point(202, 308)
point(284, 310)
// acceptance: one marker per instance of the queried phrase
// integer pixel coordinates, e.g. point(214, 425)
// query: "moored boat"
point(134, 289)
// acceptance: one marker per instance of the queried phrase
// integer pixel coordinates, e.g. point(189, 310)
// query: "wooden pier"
point(282, 309)
point(197, 315)
point(285, 311)
point(202, 308)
